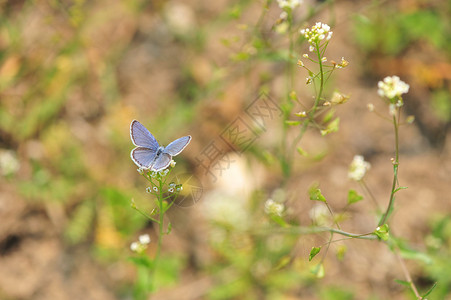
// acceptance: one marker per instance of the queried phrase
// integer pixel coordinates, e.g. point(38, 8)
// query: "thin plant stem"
point(368, 191)
point(395, 175)
point(407, 274)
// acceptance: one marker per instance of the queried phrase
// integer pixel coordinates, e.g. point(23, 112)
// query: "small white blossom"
point(392, 87)
point(172, 185)
point(148, 190)
point(324, 59)
point(179, 188)
point(134, 246)
point(171, 190)
point(144, 239)
point(317, 33)
point(289, 3)
point(358, 168)
point(140, 171)
point(155, 189)
point(172, 163)
point(8, 162)
point(274, 208)
point(305, 55)
point(319, 214)
point(141, 244)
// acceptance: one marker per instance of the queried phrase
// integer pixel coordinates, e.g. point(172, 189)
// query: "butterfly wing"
point(177, 146)
point(161, 162)
point(143, 157)
point(142, 137)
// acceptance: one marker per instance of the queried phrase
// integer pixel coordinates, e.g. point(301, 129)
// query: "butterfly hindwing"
point(177, 146)
point(161, 162)
point(143, 157)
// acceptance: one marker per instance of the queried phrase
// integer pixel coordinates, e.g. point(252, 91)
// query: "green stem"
point(395, 175)
point(315, 229)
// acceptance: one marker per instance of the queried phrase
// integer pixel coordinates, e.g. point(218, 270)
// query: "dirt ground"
point(35, 262)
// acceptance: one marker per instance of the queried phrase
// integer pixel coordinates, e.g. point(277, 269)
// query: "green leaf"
point(315, 194)
point(169, 228)
point(318, 271)
point(382, 232)
point(328, 116)
point(341, 251)
point(313, 253)
point(143, 261)
point(400, 188)
point(284, 261)
point(403, 282)
point(292, 123)
point(354, 197)
point(331, 127)
point(302, 151)
point(430, 290)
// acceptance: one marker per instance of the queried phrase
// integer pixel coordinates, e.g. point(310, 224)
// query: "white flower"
point(319, 214)
point(141, 244)
point(358, 168)
point(172, 163)
point(155, 189)
point(171, 190)
point(317, 33)
point(274, 208)
point(289, 3)
point(8, 162)
point(144, 239)
point(148, 190)
point(392, 87)
point(134, 246)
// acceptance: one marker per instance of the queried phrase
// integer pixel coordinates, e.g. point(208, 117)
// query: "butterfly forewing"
point(162, 162)
point(143, 157)
point(142, 137)
point(177, 146)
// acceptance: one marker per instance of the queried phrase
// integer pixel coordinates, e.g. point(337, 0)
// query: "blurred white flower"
point(141, 244)
point(392, 87)
point(8, 162)
point(289, 3)
point(144, 239)
point(227, 210)
point(319, 214)
point(274, 208)
point(358, 168)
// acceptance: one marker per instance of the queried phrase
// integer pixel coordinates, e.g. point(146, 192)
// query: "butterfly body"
point(148, 154)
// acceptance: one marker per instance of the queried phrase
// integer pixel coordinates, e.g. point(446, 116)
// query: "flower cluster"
point(8, 162)
point(316, 34)
point(358, 168)
point(141, 244)
point(274, 208)
point(392, 87)
point(283, 4)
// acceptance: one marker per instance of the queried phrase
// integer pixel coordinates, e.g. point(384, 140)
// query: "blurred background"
point(74, 74)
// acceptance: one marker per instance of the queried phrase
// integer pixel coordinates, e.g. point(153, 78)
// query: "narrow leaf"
point(313, 253)
point(354, 197)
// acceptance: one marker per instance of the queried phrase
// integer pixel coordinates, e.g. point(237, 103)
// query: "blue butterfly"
point(148, 154)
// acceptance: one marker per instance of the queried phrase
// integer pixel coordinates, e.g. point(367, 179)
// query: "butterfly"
point(148, 154)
